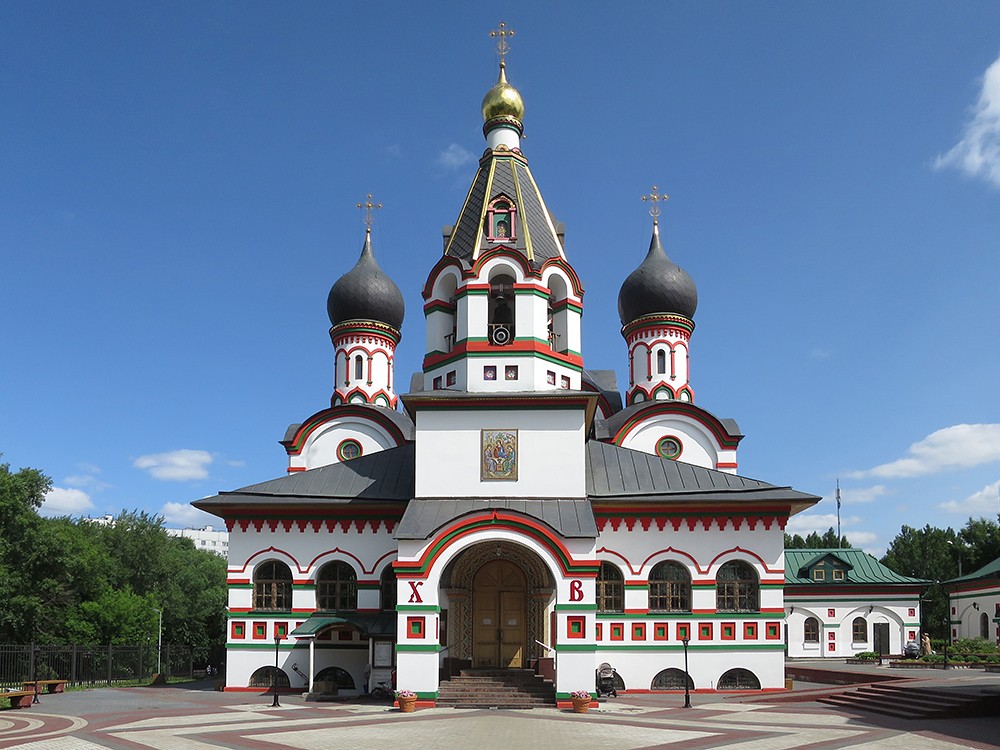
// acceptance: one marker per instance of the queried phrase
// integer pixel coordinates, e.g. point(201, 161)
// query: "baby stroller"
point(606, 680)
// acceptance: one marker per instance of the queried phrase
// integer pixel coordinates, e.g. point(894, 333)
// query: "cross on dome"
point(369, 206)
point(655, 197)
point(501, 35)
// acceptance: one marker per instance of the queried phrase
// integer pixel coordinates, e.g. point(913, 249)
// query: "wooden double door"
point(499, 616)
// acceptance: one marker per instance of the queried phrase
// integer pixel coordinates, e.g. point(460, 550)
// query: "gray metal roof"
point(507, 174)
point(620, 474)
point(572, 518)
point(386, 475)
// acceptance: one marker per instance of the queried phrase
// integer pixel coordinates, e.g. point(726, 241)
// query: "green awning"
point(369, 623)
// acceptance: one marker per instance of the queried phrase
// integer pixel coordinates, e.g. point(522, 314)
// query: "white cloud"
point(862, 494)
point(960, 446)
point(977, 154)
point(984, 502)
point(60, 501)
point(182, 514)
point(454, 157)
point(820, 352)
point(176, 466)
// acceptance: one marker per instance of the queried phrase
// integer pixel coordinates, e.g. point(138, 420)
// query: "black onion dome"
point(366, 293)
point(658, 285)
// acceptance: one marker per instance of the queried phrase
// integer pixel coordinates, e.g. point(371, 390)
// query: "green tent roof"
point(863, 567)
point(369, 623)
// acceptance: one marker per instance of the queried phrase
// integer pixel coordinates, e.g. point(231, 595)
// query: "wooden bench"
point(18, 698)
point(51, 686)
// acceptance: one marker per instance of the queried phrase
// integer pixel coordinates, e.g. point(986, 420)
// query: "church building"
point(513, 510)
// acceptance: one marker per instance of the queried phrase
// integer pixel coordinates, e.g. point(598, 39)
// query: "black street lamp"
point(34, 672)
point(687, 676)
point(274, 676)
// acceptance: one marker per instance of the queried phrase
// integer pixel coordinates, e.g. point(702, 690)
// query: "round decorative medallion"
point(349, 449)
point(669, 447)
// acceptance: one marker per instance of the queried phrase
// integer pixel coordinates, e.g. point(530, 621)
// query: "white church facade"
point(511, 510)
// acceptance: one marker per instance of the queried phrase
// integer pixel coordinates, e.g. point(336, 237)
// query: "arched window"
point(859, 630)
point(610, 589)
point(669, 588)
point(984, 625)
point(671, 679)
point(661, 362)
point(341, 677)
point(337, 587)
point(502, 320)
point(359, 368)
point(265, 677)
point(387, 590)
point(737, 588)
point(272, 586)
point(812, 630)
point(739, 679)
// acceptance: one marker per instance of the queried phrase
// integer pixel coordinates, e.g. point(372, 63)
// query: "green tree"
point(814, 541)
point(927, 553)
point(980, 539)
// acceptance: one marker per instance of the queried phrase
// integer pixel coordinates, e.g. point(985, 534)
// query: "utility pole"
point(838, 513)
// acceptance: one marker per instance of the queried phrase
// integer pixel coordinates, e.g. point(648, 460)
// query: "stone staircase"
point(908, 701)
point(497, 688)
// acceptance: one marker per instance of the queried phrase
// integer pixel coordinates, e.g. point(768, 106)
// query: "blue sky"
point(177, 195)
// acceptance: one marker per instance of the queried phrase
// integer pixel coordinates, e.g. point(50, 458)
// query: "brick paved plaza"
point(197, 718)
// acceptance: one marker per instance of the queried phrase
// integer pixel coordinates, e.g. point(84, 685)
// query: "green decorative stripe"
point(567, 697)
point(418, 608)
point(576, 647)
point(797, 600)
point(772, 586)
point(703, 586)
point(303, 586)
point(466, 292)
point(426, 696)
point(574, 608)
point(429, 648)
point(636, 586)
point(235, 586)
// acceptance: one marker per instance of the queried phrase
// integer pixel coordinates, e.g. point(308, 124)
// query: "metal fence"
point(93, 665)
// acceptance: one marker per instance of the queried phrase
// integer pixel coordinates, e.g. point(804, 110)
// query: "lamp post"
point(957, 546)
point(34, 671)
point(687, 676)
point(274, 677)
point(159, 637)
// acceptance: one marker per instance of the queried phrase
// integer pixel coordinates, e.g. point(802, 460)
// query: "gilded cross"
point(655, 197)
point(501, 35)
point(369, 205)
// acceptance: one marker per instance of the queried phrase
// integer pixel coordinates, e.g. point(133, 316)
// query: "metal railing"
point(91, 665)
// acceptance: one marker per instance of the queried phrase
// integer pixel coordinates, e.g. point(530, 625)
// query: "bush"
point(973, 646)
point(866, 656)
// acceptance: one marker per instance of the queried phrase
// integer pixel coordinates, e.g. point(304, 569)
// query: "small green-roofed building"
point(841, 602)
point(974, 601)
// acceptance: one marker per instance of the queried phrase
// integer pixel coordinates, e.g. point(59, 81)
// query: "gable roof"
point(864, 568)
point(621, 474)
point(383, 476)
point(989, 570)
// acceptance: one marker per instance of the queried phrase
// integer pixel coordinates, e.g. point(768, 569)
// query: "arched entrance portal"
point(499, 616)
point(476, 589)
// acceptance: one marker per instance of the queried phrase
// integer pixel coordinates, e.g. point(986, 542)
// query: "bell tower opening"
point(502, 317)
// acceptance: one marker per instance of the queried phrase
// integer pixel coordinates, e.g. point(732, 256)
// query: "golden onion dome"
point(503, 100)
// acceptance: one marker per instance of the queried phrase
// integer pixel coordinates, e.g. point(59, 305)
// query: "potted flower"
point(407, 700)
point(581, 701)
